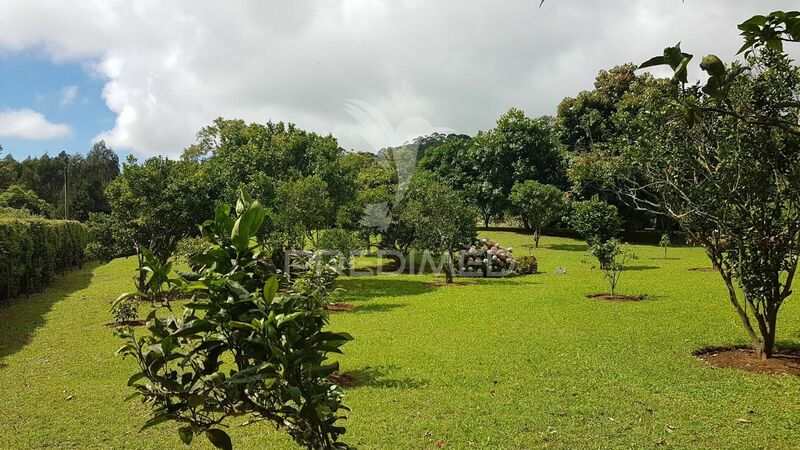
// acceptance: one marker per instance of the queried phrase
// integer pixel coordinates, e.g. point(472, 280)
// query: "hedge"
point(34, 250)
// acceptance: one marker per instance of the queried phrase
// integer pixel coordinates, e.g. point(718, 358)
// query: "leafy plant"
point(613, 257)
point(598, 223)
point(537, 205)
point(665, 242)
point(125, 311)
point(527, 265)
point(341, 241)
point(239, 347)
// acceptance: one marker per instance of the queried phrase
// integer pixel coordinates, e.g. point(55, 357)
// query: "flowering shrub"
point(527, 265)
point(486, 258)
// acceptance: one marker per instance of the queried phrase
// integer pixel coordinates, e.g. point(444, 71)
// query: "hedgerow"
point(34, 250)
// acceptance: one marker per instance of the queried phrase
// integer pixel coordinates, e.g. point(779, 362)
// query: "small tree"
point(616, 256)
point(665, 243)
point(240, 348)
point(537, 205)
point(441, 219)
point(598, 223)
point(724, 162)
point(304, 208)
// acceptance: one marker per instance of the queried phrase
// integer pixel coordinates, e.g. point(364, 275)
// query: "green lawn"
point(521, 362)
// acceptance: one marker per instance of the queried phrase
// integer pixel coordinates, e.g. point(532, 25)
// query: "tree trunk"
point(485, 222)
point(536, 235)
point(448, 268)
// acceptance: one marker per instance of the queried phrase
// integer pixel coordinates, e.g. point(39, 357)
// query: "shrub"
point(527, 265)
point(33, 250)
point(613, 256)
point(339, 240)
point(239, 347)
point(595, 220)
point(126, 311)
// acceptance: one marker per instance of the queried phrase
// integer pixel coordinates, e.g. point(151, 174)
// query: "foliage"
point(537, 205)
point(613, 257)
point(343, 242)
point(239, 348)
point(303, 208)
point(665, 242)
point(125, 311)
point(724, 161)
point(86, 179)
point(18, 197)
point(154, 205)
point(595, 220)
point(33, 250)
point(527, 265)
point(441, 219)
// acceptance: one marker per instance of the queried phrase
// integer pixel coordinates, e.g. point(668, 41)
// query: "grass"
point(521, 362)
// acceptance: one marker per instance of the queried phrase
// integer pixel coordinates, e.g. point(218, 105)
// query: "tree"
point(441, 219)
point(616, 256)
point(303, 210)
point(263, 356)
point(724, 161)
point(538, 205)
point(154, 205)
point(595, 220)
point(18, 197)
point(665, 242)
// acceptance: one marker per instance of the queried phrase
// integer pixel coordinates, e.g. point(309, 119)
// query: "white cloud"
point(68, 95)
point(171, 67)
point(30, 125)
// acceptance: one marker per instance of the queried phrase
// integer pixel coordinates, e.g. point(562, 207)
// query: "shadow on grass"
point(568, 247)
point(367, 288)
point(380, 377)
point(378, 307)
point(20, 320)
point(638, 268)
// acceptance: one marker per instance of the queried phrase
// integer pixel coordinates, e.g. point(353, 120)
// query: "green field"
point(522, 362)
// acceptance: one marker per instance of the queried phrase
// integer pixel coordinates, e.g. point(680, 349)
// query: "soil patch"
point(703, 269)
point(343, 379)
point(340, 307)
point(744, 358)
point(127, 323)
point(454, 283)
point(616, 298)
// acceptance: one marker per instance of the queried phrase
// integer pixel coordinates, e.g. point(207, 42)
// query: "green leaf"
point(186, 435)
point(219, 439)
point(654, 61)
point(194, 327)
point(136, 377)
point(271, 288)
point(713, 66)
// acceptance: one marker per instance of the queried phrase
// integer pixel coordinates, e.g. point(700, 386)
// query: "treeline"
point(38, 184)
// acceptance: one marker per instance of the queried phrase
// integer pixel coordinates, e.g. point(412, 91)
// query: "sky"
point(145, 76)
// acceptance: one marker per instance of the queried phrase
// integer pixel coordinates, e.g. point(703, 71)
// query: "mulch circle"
point(703, 269)
point(616, 298)
point(343, 379)
point(454, 283)
point(127, 323)
point(744, 358)
point(340, 307)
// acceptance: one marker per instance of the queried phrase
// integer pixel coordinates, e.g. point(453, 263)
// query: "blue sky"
point(29, 80)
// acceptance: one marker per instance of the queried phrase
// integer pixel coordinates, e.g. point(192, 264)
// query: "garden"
point(543, 283)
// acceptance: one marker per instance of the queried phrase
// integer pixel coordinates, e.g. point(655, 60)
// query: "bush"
point(595, 220)
point(240, 348)
point(527, 265)
point(339, 240)
point(33, 250)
